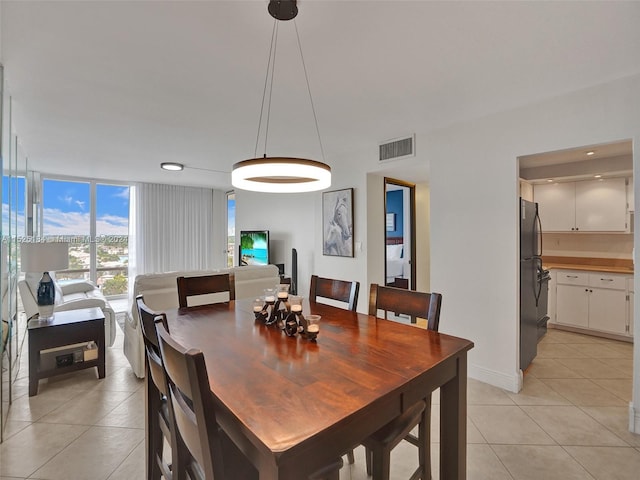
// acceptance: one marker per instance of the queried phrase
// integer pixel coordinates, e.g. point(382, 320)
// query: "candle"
point(269, 298)
point(313, 328)
point(283, 294)
point(296, 308)
point(257, 308)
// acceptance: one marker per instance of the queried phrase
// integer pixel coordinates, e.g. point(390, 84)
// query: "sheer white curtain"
point(171, 228)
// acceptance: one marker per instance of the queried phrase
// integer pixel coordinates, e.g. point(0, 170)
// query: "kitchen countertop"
point(609, 265)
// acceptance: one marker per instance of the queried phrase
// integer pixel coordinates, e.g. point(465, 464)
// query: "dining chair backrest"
point(205, 286)
point(408, 302)
point(151, 344)
point(340, 290)
point(193, 405)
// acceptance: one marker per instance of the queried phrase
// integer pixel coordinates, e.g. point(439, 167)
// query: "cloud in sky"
point(57, 222)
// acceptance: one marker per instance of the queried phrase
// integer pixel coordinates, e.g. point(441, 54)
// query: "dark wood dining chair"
point(378, 446)
point(159, 423)
point(205, 451)
point(341, 290)
point(205, 285)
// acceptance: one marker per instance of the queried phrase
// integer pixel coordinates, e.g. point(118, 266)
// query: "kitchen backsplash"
point(602, 245)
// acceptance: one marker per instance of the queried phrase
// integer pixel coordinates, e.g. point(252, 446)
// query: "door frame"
point(412, 226)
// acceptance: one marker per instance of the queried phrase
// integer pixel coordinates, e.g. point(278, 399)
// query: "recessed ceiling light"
point(590, 153)
point(174, 167)
point(597, 176)
point(549, 179)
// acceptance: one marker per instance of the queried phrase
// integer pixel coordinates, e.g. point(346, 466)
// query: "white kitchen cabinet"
point(630, 195)
point(601, 205)
point(631, 290)
point(593, 300)
point(556, 206)
point(572, 305)
point(586, 206)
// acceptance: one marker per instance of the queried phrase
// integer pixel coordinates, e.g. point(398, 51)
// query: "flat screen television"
point(254, 247)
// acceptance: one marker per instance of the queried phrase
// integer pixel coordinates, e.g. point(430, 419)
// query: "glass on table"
point(283, 291)
point(270, 295)
point(295, 303)
point(313, 326)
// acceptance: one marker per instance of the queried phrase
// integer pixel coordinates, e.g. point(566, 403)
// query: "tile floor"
point(569, 422)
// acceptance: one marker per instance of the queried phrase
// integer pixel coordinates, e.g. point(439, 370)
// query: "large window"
point(231, 229)
point(94, 218)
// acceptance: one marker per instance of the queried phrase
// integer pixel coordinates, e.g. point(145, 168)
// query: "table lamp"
point(44, 257)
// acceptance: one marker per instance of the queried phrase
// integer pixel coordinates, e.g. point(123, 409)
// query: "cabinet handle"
point(572, 276)
point(607, 279)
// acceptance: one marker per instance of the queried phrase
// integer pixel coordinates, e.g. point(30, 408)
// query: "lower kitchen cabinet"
point(594, 301)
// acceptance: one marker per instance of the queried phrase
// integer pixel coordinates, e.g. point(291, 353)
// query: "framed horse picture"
point(337, 223)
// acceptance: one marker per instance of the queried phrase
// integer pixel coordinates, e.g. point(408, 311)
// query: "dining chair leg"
point(381, 463)
point(154, 437)
point(368, 458)
point(350, 458)
point(424, 438)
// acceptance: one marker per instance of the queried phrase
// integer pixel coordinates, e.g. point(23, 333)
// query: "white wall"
point(473, 187)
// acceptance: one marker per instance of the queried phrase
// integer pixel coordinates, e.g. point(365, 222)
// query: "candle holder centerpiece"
point(269, 304)
point(294, 321)
point(260, 309)
point(280, 309)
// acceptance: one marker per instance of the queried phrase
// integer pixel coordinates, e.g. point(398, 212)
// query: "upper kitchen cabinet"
point(586, 206)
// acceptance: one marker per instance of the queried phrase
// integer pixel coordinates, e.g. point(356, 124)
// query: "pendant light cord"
point(268, 83)
point(306, 77)
point(268, 75)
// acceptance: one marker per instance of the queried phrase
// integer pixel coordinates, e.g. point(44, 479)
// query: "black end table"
point(64, 329)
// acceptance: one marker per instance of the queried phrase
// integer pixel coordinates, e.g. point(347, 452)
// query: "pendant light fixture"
point(281, 174)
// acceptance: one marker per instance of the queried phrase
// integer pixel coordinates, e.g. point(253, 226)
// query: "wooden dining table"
point(293, 405)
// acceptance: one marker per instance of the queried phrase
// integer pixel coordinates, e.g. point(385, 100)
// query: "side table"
point(65, 329)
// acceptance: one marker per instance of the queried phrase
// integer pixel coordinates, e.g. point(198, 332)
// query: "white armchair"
point(70, 296)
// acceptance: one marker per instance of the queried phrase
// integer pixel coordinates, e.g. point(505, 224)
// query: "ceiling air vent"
point(397, 148)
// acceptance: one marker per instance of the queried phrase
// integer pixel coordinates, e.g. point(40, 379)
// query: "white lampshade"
point(44, 257)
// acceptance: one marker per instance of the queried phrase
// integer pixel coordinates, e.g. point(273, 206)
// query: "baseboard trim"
point(512, 383)
point(634, 419)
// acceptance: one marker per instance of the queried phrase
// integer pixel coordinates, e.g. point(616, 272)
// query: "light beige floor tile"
point(536, 392)
point(95, 455)
point(133, 467)
point(130, 413)
point(608, 463)
point(561, 336)
point(559, 350)
point(479, 393)
point(32, 447)
point(121, 379)
point(625, 365)
point(14, 426)
point(507, 424)
point(86, 408)
point(619, 387)
point(615, 419)
point(592, 368)
point(584, 393)
point(568, 425)
point(597, 350)
point(550, 368)
point(484, 464)
point(31, 409)
point(532, 462)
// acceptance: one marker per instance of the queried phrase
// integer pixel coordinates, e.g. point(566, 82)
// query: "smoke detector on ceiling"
point(397, 148)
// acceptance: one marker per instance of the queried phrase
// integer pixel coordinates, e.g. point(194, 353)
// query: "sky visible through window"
point(67, 208)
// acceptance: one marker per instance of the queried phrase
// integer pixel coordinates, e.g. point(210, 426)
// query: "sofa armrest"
point(81, 303)
point(77, 287)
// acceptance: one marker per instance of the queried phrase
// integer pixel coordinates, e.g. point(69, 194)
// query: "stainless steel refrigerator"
point(533, 283)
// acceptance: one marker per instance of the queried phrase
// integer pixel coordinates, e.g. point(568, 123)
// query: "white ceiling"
point(109, 89)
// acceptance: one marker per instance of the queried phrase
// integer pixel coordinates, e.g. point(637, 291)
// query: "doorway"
point(400, 233)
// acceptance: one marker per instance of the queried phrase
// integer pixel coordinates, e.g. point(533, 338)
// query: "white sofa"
point(69, 296)
point(160, 291)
